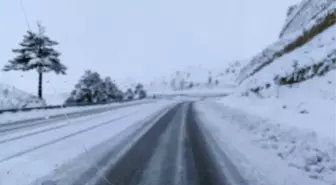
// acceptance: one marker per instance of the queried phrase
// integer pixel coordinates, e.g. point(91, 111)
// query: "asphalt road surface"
point(173, 151)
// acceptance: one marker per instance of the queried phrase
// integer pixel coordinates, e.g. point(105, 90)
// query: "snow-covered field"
point(198, 78)
point(11, 98)
point(268, 152)
point(18, 116)
point(56, 98)
point(49, 151)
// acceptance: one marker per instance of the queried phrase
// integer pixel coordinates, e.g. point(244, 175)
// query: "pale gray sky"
point(140, 39)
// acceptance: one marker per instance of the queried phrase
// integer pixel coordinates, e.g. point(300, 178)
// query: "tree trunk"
point(40, 81)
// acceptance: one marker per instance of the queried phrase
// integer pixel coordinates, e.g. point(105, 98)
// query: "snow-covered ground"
point(53, 153)
point(274, 50)
point(302, 13)
point(320, 48)
point(268, 152)
point(56, 98)
point(11, 98)
point(283, 133)
point(194, 92)
point(310, 105)
point(198, 78)
point(18, 116)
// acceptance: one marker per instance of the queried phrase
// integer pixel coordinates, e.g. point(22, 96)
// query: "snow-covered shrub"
point(307, 72)
point(92, 89)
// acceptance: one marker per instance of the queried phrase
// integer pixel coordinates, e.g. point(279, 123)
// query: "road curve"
point(173, 151)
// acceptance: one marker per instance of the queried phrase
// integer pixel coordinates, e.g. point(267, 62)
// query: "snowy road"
point(172, 151)
point(30, 154)
point(147, 144)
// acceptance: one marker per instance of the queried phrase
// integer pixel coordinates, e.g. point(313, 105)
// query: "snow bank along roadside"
point(309, 106)
point(12, 117)
point(303, 99)
point(268, 153)
point(32, 165)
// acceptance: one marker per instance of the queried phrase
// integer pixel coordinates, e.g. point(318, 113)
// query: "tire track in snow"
point(110, 157)
point(128, 170)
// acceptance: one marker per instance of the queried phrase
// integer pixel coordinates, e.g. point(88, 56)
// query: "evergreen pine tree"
point(36, 52)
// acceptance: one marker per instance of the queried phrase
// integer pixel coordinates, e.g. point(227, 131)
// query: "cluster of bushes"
point(299, 74)
point(256, 90)
point(306, 72)
point(91, 88)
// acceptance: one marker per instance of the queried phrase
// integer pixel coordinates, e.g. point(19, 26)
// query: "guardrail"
point(55, 107)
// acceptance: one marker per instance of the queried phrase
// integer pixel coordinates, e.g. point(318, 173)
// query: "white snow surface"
point(284, 41)
point(56, 98)
point(266, 152)
point(12, 98)
point(53, 154)
point(196, 78)
point(194, 92)
point(303, 13)
point(18, 116)
point(316, 50)
point(292, 126)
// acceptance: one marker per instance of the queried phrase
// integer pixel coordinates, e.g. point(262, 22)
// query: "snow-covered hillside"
point(302, 35)
point(10, 97)
point(301, 14)
point(285, 105)
point(297, 87)
point(200, 77)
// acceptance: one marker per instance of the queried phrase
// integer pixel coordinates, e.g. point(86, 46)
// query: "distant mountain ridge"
point(198, 77)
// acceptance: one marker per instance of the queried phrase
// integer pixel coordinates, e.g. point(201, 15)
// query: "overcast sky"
point(139, 38)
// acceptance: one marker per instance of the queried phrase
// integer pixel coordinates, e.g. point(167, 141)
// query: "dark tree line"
point(91, 88)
